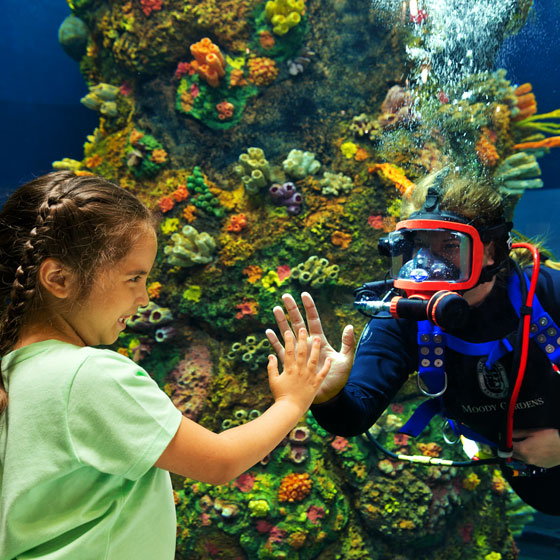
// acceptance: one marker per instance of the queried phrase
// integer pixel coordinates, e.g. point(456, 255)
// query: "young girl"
point(86, 436)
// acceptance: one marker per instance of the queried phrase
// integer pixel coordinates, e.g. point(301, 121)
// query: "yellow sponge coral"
point(284, 14)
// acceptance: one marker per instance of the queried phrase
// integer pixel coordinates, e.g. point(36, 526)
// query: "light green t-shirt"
point(78, 442)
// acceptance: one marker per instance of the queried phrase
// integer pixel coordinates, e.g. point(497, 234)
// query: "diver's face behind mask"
point(432, 255)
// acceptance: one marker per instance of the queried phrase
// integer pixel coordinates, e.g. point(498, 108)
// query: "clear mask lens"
point(430, 255)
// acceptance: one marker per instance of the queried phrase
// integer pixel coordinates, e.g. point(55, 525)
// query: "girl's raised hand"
point(341, 361)
point(301, 379)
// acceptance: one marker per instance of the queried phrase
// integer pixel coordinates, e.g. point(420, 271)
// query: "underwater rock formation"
point(202, 90)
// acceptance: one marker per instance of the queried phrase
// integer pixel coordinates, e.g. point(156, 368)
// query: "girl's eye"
point(135, 279)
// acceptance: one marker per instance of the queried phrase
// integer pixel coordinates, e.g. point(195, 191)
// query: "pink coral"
point(315, 513)
point(340, 444)
point(376, 222)
point(191, 379)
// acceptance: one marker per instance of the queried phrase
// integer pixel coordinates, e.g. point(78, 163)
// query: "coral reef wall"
point(274, 141)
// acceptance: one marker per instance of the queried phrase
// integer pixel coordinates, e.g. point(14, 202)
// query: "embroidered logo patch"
point(493, 383)
point(366, 335)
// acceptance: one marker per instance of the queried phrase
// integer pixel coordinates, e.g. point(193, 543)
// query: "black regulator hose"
point(445, 309)
point(429, 461)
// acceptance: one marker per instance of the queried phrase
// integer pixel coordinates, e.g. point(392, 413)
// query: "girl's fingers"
point(275, 343)
point(293, 312)
point(301, 350)
point(313, 320)
point(281, 319)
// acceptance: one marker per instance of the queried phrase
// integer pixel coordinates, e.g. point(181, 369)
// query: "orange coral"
point(361, 154)
point(93, 161)
point(159, 156)
point(486, 150)
point(180, 193)
point(189, 213)
point(236, 78)
point(341, 239)
point(393, 174)
point(499, 484)
point(186, 101)
point(209, 62)
point(237, 223)
point(166, 203)
point(430, 449)
point(550, 142)
point(135, 135)
point(249, 308)
point(526, 102)
point(154, 290)
point(254, 272)
point(262, 70)
point(295, 487)
point(266, 39)
point(225, 110)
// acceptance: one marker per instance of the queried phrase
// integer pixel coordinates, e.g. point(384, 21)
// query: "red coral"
point(245, 482)
point(283, 271)
point(184, 68)
point(263, 526)
point(149, 6)
point(247, 309)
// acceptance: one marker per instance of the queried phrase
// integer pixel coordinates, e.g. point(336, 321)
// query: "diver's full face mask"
point(431, 255)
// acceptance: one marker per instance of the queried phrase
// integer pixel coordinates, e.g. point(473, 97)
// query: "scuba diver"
point(481, 332)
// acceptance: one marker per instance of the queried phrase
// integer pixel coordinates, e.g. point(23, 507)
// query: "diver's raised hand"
point(341, 362)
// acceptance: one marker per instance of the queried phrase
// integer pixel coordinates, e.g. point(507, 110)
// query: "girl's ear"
point(56, 278)
point(489, 254)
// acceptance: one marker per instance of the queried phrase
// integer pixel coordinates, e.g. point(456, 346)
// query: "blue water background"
point(41, 120)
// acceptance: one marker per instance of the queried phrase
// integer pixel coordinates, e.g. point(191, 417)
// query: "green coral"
point(335, 183)
point(517, 173)
point(254, 170)
point(316, 272)
point(199, 100)
point(190, 248)
point(300, 164)
point(253, 353)
point(202, 198)
point(140, 157)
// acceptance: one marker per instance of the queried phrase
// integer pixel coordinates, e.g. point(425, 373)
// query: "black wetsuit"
point(388, 353)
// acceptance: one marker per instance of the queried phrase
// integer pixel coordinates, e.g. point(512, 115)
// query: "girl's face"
point(116, 294)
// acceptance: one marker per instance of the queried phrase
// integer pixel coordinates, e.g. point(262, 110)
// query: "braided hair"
point(84, 222)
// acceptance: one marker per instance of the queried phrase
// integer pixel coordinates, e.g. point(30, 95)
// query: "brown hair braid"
point(84, 222)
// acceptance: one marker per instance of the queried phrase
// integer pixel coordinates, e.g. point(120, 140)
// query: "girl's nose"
point(143, 297)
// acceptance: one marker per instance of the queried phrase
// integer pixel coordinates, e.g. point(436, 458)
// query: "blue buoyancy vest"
point(432, 342)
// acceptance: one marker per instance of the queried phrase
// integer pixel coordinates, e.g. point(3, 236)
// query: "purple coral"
point(285, 194)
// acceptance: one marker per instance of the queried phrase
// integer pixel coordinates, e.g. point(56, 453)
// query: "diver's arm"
point(385, 357)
